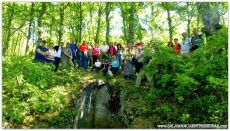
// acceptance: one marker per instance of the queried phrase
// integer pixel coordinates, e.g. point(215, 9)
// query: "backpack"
point(95, 52)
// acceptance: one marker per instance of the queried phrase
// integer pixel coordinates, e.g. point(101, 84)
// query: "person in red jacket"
point(83, 55)
point(177, 46)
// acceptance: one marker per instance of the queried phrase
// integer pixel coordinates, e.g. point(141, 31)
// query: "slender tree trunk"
point(8, 30)
point(30, 24)
point(90, 29)
point(51, 27)
point(96, 40)
point(42, 12)
point(152, 19)
point(79, 11)
point(60, 32)
point(170, 25)
point(17, 46)
point(189, 20)
point(124, 28)
point(108, 10)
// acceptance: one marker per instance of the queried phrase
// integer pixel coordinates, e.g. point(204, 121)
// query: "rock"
point(98, 107)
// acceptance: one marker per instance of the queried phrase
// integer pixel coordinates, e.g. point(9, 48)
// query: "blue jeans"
point(83, 61)
point(128, 68)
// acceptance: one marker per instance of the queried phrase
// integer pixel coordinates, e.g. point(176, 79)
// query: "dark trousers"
point(115, 70)
point(94, 59)
point(56, 63)
point(73, 60)
point(138, 67)
point(83, 60)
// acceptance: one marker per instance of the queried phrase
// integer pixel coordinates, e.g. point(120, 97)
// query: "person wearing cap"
point(41, 53)
point(67, 56)
point(59, 50)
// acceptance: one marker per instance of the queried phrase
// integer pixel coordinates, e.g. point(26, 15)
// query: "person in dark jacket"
point(73, 48)
point(196, 40)
point(41, 53)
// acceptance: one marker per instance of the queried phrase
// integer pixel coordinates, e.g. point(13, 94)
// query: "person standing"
point(177, 46)
point(67, 56)
point(95, 52)
point(139, 59)
point(83, 55)
point(112, 51)
point(196, 40)
point(73, 48)
point(128, 64)
point(186, 42)
point(104, 51)
point(59, 50)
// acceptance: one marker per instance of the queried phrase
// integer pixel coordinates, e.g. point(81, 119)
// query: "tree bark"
point(96, 40)
point(79, 11)
point(189, 19)
point(8, 30)
point(170, 25)
point(60, 32)
point(30, 24)
point(210, 17)
point(108, 10)
point(132, 24)
point(124, 19)
point(41, 14)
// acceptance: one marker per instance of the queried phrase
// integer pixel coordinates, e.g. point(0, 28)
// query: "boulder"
point(99, 106)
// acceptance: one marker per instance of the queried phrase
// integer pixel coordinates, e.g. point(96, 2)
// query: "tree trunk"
point(210, 17)
point(51, 27)
point(189, 20)
point(8, 30)
point(79, 11)
point(90, 28)
point(152, 19)
point(108, 9)
point(42, 12)
point(30, 24)
point(124, 28)
point(96, 40)
point(60, 32)
point(170, 25)
point(132, 24)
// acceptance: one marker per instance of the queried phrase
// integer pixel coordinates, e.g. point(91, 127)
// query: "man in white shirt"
point(185, 44)
point(104, 51)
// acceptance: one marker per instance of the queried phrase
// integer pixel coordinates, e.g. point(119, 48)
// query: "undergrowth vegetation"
point(189, 89)
point(32, 94)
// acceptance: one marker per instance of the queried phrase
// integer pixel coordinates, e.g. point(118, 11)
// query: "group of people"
point(188, 44)
point(111, 58)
